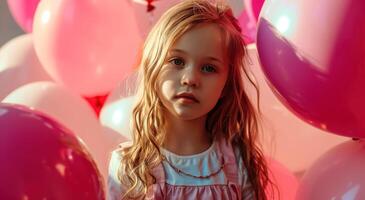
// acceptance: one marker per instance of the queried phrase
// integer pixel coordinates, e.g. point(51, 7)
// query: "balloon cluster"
point(81, 53)
point(312, 55)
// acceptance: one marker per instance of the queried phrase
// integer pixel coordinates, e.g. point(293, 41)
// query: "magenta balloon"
point(40, 159)
point(23, 12)
point(256, 7)
point(313, 55)
point(338, 174)
point(253, 8)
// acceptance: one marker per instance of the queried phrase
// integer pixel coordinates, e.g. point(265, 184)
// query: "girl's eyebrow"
point(208, 57)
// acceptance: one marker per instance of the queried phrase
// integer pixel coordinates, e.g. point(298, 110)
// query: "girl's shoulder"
point(229, 149)
point(234, 155)
point(116, 158)
point(242, 173)
point(115, 165)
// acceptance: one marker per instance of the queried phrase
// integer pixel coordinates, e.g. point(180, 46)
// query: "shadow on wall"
point(8, 27)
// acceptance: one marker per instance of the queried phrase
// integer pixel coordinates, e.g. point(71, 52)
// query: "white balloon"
point(72, 111)
point(117, 110)
point(286, 138)
point(117, 114)
point(19, 65)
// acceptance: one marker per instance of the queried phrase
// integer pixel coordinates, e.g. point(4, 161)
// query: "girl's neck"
point(186, 137)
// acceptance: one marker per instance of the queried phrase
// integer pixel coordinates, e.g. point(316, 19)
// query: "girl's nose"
point(190, 77)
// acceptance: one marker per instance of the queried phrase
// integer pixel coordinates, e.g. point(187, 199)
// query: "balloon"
point(126, 88)
point(19, 65)
point(248, 19)
point(312, 54)
point(9, 28)
point(146, 19)
point(117, 111)
point(253, 7)
point(285, 137)
point(117, 115)
point(237, 6)
point(286, 184)
point(23, 12)
point(72, 111)
point(248, 27)
point(88, 46)
point(41, 159)
point(338, 174)
point(96, 102)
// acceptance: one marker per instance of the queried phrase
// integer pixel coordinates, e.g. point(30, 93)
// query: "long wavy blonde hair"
point(234, 115)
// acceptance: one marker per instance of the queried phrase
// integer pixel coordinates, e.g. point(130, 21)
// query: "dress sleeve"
point(114, 185)
point(243, 177)
point(246, 188)
point(115, 188)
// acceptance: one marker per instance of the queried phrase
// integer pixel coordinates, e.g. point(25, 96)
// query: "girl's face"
point(194, 74)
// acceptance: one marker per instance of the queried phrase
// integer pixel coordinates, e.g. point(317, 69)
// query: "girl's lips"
point(187, 97)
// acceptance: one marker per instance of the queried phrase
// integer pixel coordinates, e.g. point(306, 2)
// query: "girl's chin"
point(189, 116)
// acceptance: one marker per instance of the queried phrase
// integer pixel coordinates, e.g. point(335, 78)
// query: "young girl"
point(194, 128)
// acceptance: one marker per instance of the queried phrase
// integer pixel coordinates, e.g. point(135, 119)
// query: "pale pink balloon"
point(284, 136)
point(286, 184)
point(19, 65)
point(23, 12)
point(146, 20)
point(312, 53)
point(72, 111)
point(238, 6)
point(89, 46)
point(338, 174)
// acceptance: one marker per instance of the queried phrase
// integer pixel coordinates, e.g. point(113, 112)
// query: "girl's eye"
point(177, 61)
point(208, 68)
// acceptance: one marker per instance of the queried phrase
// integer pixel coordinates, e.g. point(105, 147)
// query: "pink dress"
point(230, 183)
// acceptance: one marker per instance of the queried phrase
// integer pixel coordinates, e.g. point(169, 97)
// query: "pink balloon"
point(147, 19)
point(23, 12)
point(338, 174)
point(312, 53)
point(41, 159)
point(248, 27)
point(285, 137)
point(86, 45)
point(248, 19)
point(19, 65)
point(286, 183)
point(256, 6)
